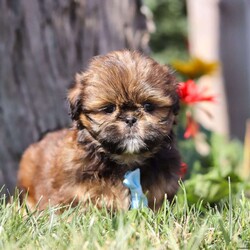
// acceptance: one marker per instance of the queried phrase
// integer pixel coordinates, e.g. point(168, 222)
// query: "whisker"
point(92, 120)
point(170, 139)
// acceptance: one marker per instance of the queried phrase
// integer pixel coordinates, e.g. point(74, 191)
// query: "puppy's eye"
point(149, 107)
point(109, 109)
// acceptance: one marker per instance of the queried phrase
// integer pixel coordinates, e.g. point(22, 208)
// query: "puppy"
point(123, 109)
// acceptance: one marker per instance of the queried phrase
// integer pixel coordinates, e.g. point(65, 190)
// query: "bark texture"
point(43, 43)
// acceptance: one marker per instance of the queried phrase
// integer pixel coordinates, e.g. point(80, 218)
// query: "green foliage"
point(169, 40)
point(175, 226)
point(211, 174)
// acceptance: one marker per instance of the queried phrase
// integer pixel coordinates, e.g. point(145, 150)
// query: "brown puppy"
point(123, 107)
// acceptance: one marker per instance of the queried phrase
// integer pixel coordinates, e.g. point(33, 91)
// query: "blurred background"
point(44, 43)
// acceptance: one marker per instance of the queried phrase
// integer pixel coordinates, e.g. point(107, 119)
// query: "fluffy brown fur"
point(123, 107)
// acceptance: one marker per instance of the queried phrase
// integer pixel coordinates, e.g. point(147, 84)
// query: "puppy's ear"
point(75, 98)
point(171, 80)
point(176, 105)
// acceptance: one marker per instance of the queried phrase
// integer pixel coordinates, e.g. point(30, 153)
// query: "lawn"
point(175, 226)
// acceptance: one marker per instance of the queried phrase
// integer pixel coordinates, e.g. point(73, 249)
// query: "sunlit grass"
point(175, 226)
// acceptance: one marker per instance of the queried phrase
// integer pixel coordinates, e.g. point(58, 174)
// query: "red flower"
point(191, 93)
point(192, 127)
point(183, 169)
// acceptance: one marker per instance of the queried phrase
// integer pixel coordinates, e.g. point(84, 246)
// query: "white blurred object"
point(203, 22)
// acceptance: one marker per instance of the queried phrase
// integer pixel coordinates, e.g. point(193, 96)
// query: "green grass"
point(176, 226)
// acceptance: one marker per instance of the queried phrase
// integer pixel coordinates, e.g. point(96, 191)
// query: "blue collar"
point(132, 182)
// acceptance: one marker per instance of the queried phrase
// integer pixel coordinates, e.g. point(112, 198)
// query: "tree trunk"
point(42, 44)
point(235, 55)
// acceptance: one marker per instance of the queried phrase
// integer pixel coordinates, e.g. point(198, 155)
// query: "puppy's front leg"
point(101, 193)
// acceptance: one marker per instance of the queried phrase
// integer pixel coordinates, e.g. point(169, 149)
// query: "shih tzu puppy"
point(123, 109)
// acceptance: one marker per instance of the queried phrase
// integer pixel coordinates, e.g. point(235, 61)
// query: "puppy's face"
point(126, 101)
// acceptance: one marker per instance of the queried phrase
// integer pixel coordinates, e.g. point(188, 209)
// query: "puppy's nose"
point(130, 120)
